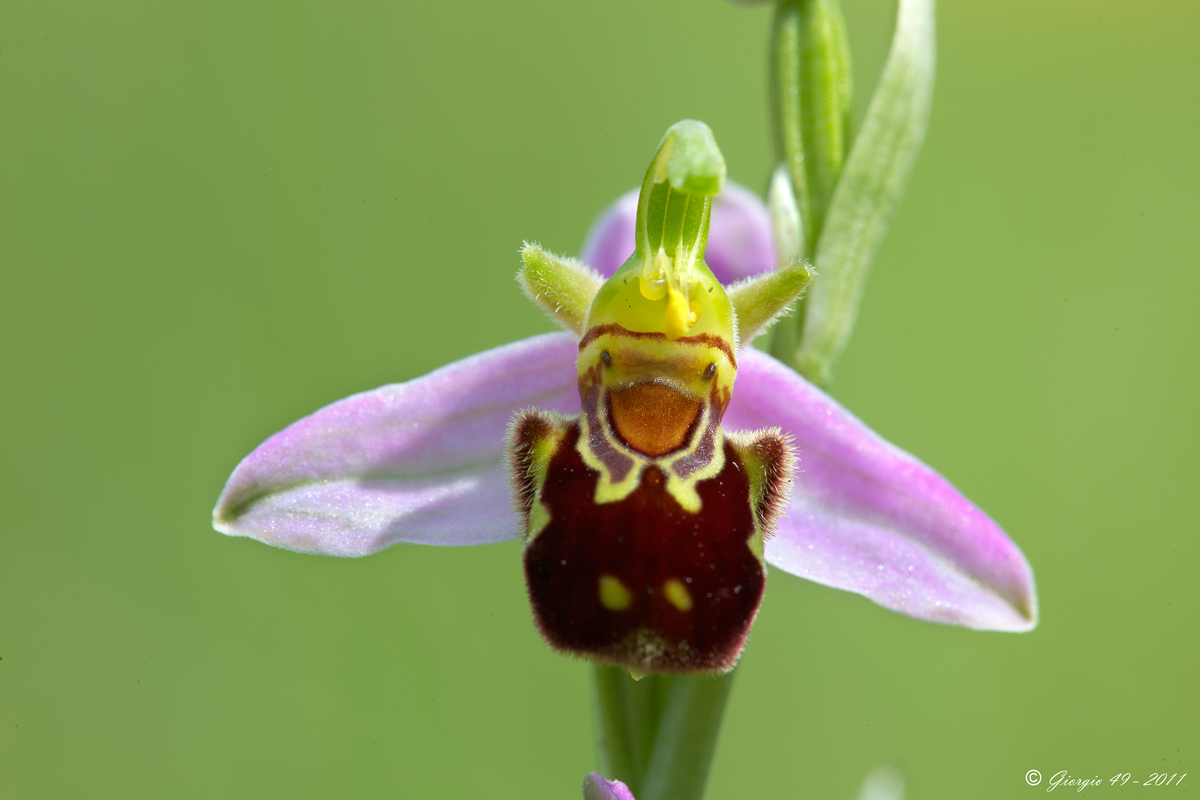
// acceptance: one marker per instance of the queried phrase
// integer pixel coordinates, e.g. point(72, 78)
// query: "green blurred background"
point(217, 217)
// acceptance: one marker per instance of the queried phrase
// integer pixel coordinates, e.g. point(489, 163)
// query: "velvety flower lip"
point(423, 462)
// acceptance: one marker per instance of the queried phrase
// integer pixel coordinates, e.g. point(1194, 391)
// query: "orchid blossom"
point(614, 429)
point(595, 787)
point(881, 784)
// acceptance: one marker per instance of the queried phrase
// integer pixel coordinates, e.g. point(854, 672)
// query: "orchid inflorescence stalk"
point(650, 459)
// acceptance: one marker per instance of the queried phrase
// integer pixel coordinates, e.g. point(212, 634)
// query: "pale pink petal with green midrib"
point(420, 461)
point(868, 517)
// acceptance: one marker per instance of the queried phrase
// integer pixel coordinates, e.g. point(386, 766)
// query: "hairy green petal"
point(761, 299)
point(563, 287)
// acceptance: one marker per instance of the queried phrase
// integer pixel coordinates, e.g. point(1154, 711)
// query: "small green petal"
point(761, 299)
point(563, 287)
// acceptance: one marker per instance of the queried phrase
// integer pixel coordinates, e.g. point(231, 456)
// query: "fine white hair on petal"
point(867, 517)
point(421, 461)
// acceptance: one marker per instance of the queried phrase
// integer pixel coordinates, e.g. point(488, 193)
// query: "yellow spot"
point(652, 289)
point(539, 518)
point(660, 279)
point(679, 317)
point(677, 594)
point(613, 594)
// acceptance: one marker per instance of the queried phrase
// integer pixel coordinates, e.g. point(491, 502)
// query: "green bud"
point(843, 202)
point(869, 191)
point(810, 89)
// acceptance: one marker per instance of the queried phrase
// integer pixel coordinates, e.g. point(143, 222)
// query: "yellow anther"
point(679, 317)
point(652, 288)
point(613, 594)
point(660, 279)
point(677, 594)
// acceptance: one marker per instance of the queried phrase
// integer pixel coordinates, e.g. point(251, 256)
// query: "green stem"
point(809, 86)
point(626, 715)
point(658, 734)
point(809, 78)
point(687, 737)
point(868, 191)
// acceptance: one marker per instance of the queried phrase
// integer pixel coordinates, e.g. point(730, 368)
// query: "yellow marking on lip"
point(614, 595)
point(539, 518)
point(677, 594)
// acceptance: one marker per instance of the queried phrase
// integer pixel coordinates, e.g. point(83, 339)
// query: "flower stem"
point(809, 77)
point(809, 85)
point(626, 715)
point(658, 734)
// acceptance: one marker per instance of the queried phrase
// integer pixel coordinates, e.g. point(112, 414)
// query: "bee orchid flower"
point(595, 787)
point(649, 487)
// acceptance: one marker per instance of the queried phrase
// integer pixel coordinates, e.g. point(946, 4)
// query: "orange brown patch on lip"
point(652, 418)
